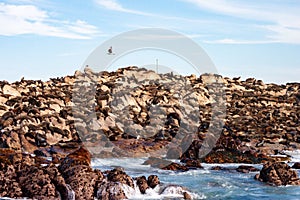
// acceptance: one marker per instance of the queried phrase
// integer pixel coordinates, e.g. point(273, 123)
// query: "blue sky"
point(40, 39)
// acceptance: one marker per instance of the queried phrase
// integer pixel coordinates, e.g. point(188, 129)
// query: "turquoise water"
point(203, 183)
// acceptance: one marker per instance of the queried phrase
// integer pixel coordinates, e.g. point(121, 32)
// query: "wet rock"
point(246, 169)
point(110, 191)
point(153, 181)
point(187, 196)
point(76, 170)
point(142, 184)
point(176, 167)
point(278, 174)
point(192, 164)
point(233, 156)
point(296, 165)
point(118, 175)
point(218, 168)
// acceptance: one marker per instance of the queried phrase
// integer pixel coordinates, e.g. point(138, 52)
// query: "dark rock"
point(233, 156)
point(118, 175)
point(218, 168)
point(193, 164)
point(76, 170)
point(157, 162)
point(296, 165)
point(78, 157)
point(187, 196)
point(153, 181)
point(176, 167)
point(35, 183)
point(246, 169)
point(142, 184)
point(278, 174)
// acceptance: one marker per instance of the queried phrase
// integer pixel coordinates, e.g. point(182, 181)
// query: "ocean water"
point(202, 183)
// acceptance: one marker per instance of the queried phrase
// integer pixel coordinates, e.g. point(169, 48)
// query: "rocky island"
point(50, 131)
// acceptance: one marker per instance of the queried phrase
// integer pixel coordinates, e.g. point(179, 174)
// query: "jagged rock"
point(153, 181)
point(142, 184)
point(110, 191)
point(278, 174)
point(76, 170)
point(35, 183)
point(118, 175)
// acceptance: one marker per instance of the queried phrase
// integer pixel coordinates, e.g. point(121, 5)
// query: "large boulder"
point(77, 172)
point(278, 174)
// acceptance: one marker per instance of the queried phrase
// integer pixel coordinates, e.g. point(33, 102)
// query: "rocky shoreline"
point(50, 130)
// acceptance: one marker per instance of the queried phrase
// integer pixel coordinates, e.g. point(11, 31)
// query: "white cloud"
point(115, 6)
point(29, 19)
point(284, 16)
point(233, 41)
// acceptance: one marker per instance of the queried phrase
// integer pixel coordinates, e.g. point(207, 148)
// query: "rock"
point(142, 184)
point(141, 113)
point(118, 175)
point(176, 167)
point(7, 89)
point(78, 157)
point(9, 186)
point(233, 156)
point(192, 164)
point(187, 196)
point(174, 153)
point(77, 172)
point(157, 162)
point(246, 169)
point(35, 183)
point(296, 165)
point(278, 174)
point(65, 190)
point(110, 191)
point(153, 181)
point(218, 168)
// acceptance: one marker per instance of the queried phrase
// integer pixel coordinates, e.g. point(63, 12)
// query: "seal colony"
point(50, 130)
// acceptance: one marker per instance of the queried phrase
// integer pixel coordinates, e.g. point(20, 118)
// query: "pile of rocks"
point(136, 112)
point(22, 175)
point(141, 112)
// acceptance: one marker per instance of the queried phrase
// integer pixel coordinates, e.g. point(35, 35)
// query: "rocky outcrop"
point(22, 175)
point(296, 165)
point(136, 112)
point(278, 174)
